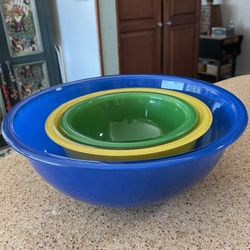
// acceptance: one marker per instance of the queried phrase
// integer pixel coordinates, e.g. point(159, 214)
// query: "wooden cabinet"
point(217, 57)
point(158, 36)
point(140, 36)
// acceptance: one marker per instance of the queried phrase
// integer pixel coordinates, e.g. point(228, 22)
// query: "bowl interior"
point(36, 110)
point(112, 120)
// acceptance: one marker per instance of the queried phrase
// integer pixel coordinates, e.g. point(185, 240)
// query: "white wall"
point(108, 27)
point(215, 2)
point(239, 12)
point(75, 28)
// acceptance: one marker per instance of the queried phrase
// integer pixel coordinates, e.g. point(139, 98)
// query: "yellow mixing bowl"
point(182, 145)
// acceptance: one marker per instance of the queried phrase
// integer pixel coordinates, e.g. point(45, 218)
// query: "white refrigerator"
point(76, 35)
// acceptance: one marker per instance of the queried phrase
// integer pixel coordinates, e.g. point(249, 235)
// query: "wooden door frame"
point(98, 24)
point(100, 34)
point(118, 33)
point(197, 42)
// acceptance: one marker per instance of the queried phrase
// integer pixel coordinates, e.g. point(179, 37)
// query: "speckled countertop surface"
point(215, 214)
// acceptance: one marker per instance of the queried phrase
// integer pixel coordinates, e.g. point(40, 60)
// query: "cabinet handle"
point(159, 24)
point(169, 23)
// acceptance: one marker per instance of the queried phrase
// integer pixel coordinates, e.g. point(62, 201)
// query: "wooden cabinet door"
point(181, 37)
point(140, 36)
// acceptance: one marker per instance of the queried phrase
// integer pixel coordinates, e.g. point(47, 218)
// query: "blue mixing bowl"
point(123, 184)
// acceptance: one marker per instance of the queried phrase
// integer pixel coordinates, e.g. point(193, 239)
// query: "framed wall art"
point(21, 27)
point(31, 78)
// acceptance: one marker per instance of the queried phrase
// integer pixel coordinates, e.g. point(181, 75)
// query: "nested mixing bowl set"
point(128, 124)
point(125, 141)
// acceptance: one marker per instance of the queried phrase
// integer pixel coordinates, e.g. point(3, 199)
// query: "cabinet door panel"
point(140, 37)
point(142, 59)
point(181, 37)
point(182, 59)
point(183, 7)
point(136, 9)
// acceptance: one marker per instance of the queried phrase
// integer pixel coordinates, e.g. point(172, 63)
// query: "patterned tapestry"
point(21, 27)
point(31, 78)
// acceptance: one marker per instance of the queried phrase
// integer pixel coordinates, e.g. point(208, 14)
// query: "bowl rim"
point(188, 113)
point(204, 123)
point(63, 161)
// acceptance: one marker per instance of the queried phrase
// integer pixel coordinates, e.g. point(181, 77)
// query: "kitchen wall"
point(108, 23)
point(215, 1)
point(239, 12)
point(75, 29)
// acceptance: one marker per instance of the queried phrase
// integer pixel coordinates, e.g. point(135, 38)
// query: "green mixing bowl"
point(128, 120)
